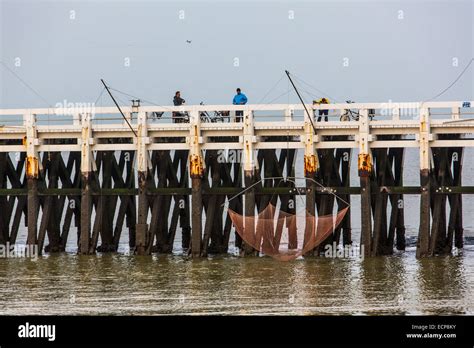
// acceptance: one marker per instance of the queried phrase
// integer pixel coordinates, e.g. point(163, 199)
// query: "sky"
point(367, 51)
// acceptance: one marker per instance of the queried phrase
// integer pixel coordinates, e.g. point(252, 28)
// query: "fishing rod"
point(301, 99)
point(118, 107)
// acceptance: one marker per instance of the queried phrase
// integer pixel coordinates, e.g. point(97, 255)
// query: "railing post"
point(365, 170)
point(396, 114)
point(143, 239)
point(289, 115)
point(455, 113)
point(129, 117)
point(196, 165)
point(76, 119)
point(86, 176)
point(422, 246)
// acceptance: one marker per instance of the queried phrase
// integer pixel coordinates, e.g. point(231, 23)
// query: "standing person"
point(177, 101)
point(323, 112)
point(239, 99)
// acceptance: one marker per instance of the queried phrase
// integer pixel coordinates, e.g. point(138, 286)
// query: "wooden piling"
point(196, 165)
point(141, 241)
point(249, 210)
point(311, 167)
point(32, 174)
point(366, 215)
point(249, 180)
point(86, 209)
point(423, 242)
point(86, 168)
point(196, 220)
point(4, 233)
point(365, 171)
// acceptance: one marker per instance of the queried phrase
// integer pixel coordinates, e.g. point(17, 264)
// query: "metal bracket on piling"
point(364, 164)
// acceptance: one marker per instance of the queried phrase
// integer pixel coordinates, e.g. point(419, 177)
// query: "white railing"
point(283, 120)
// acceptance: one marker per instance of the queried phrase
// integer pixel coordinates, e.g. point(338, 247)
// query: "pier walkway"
point(89, 167)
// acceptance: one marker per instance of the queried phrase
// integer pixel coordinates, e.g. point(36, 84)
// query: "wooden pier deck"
point(161, 178)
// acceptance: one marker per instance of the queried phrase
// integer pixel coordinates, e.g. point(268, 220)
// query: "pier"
point(152, 178)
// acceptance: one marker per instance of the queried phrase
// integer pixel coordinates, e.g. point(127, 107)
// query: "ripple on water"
point(119, 284)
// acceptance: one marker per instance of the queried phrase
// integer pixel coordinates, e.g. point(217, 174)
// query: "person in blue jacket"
point(239, 99)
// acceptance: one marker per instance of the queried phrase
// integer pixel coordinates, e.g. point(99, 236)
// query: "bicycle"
point(349, 114)
point(219, 116)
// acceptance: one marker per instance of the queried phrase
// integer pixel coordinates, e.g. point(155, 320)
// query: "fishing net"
point(282, 235)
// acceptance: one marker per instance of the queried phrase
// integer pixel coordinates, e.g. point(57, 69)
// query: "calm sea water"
point(120, 284)
point(174, 284)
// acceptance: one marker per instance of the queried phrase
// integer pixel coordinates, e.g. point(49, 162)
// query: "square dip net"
point(276, 233)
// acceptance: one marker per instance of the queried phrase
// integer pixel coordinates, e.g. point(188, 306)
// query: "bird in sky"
point(188, 41)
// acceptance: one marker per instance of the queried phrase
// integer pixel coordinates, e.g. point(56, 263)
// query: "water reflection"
point(122, 284)
point(383, 284)
point(442, 285)
point(324, 286)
